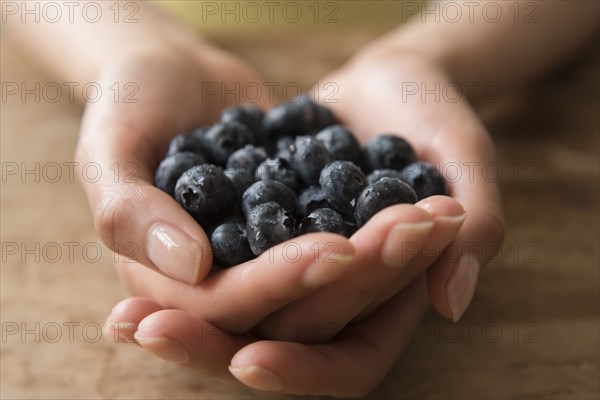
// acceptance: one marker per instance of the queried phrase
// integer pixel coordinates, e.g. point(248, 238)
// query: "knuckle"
point(106, 215)
point(110, 214)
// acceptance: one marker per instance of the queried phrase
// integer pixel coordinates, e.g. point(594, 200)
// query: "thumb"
point(132, 217)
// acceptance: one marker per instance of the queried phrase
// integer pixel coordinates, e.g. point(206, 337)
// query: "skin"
point(371, 288)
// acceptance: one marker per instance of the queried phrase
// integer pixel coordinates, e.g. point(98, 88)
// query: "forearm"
point(500, 41)
point(85, 39)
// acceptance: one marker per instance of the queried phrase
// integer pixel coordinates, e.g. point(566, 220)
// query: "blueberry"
point(424, 178)
point(383, 193)
point(342, 181)
point(310, 199)
point(189, 143)
point(229, 218)
point(323, 118)
point(248, 157)
point(277, 169)
point(241, 180)
point(269, 224)
point(324, 220)
point(285, 119)
point(172, 167)
point(226, 137)
point(284, 143)
point(340, 142)
point(205, 192)
point(250, 116)
point(264, 191)
point(388, 152)
point(200, 133)
point(230, 244)
point(351, 226)
point(383, 173)
point(309, 157)
point(299, 117)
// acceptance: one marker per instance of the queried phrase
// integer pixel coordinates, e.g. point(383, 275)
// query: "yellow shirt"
point(223, 18)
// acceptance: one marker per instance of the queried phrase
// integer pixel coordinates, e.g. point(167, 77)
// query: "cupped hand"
point(159, 91)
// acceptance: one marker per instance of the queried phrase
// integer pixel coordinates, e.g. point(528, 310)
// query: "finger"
point(167, 341)
point(282, 275)
point(180, 338)
point(381, 257)
point(448, 217)
point(351, 365)
point(124, 318)
point(453, 277)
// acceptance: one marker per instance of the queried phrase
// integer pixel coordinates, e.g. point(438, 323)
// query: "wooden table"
point(531, 332)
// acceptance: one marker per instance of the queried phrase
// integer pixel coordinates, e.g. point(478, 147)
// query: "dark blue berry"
point(241, 180)
point(324, 220)
point(284, 143)
point(383, 193)
point(230, 244)
point(299, 117)
point(277, 169)
point(340, 142)
point(310, 199)
point(383, 173)
point(205, 192)
point(351, 226)
point(250, 116)
point(200, 133)
point(269, 224)
point(424, 178)
point(342, 181)
point(265, 191)
point(388, 152)
point(248, 157)
point(282, 147)
point(323, 118)
point(191, 143)
point(309, 157)
point(226, 137)
point(229, 218)
point(172, 167)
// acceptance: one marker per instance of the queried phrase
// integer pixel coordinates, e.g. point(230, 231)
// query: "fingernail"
point(327, 270)
point(402, 242)
point(174, 253)
point(461, 285)
point(257, 377)
point(162, 347)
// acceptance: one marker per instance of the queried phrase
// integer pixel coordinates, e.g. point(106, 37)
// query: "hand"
point(128, 136)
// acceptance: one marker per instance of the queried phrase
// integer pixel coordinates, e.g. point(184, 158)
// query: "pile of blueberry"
point(257, 179)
